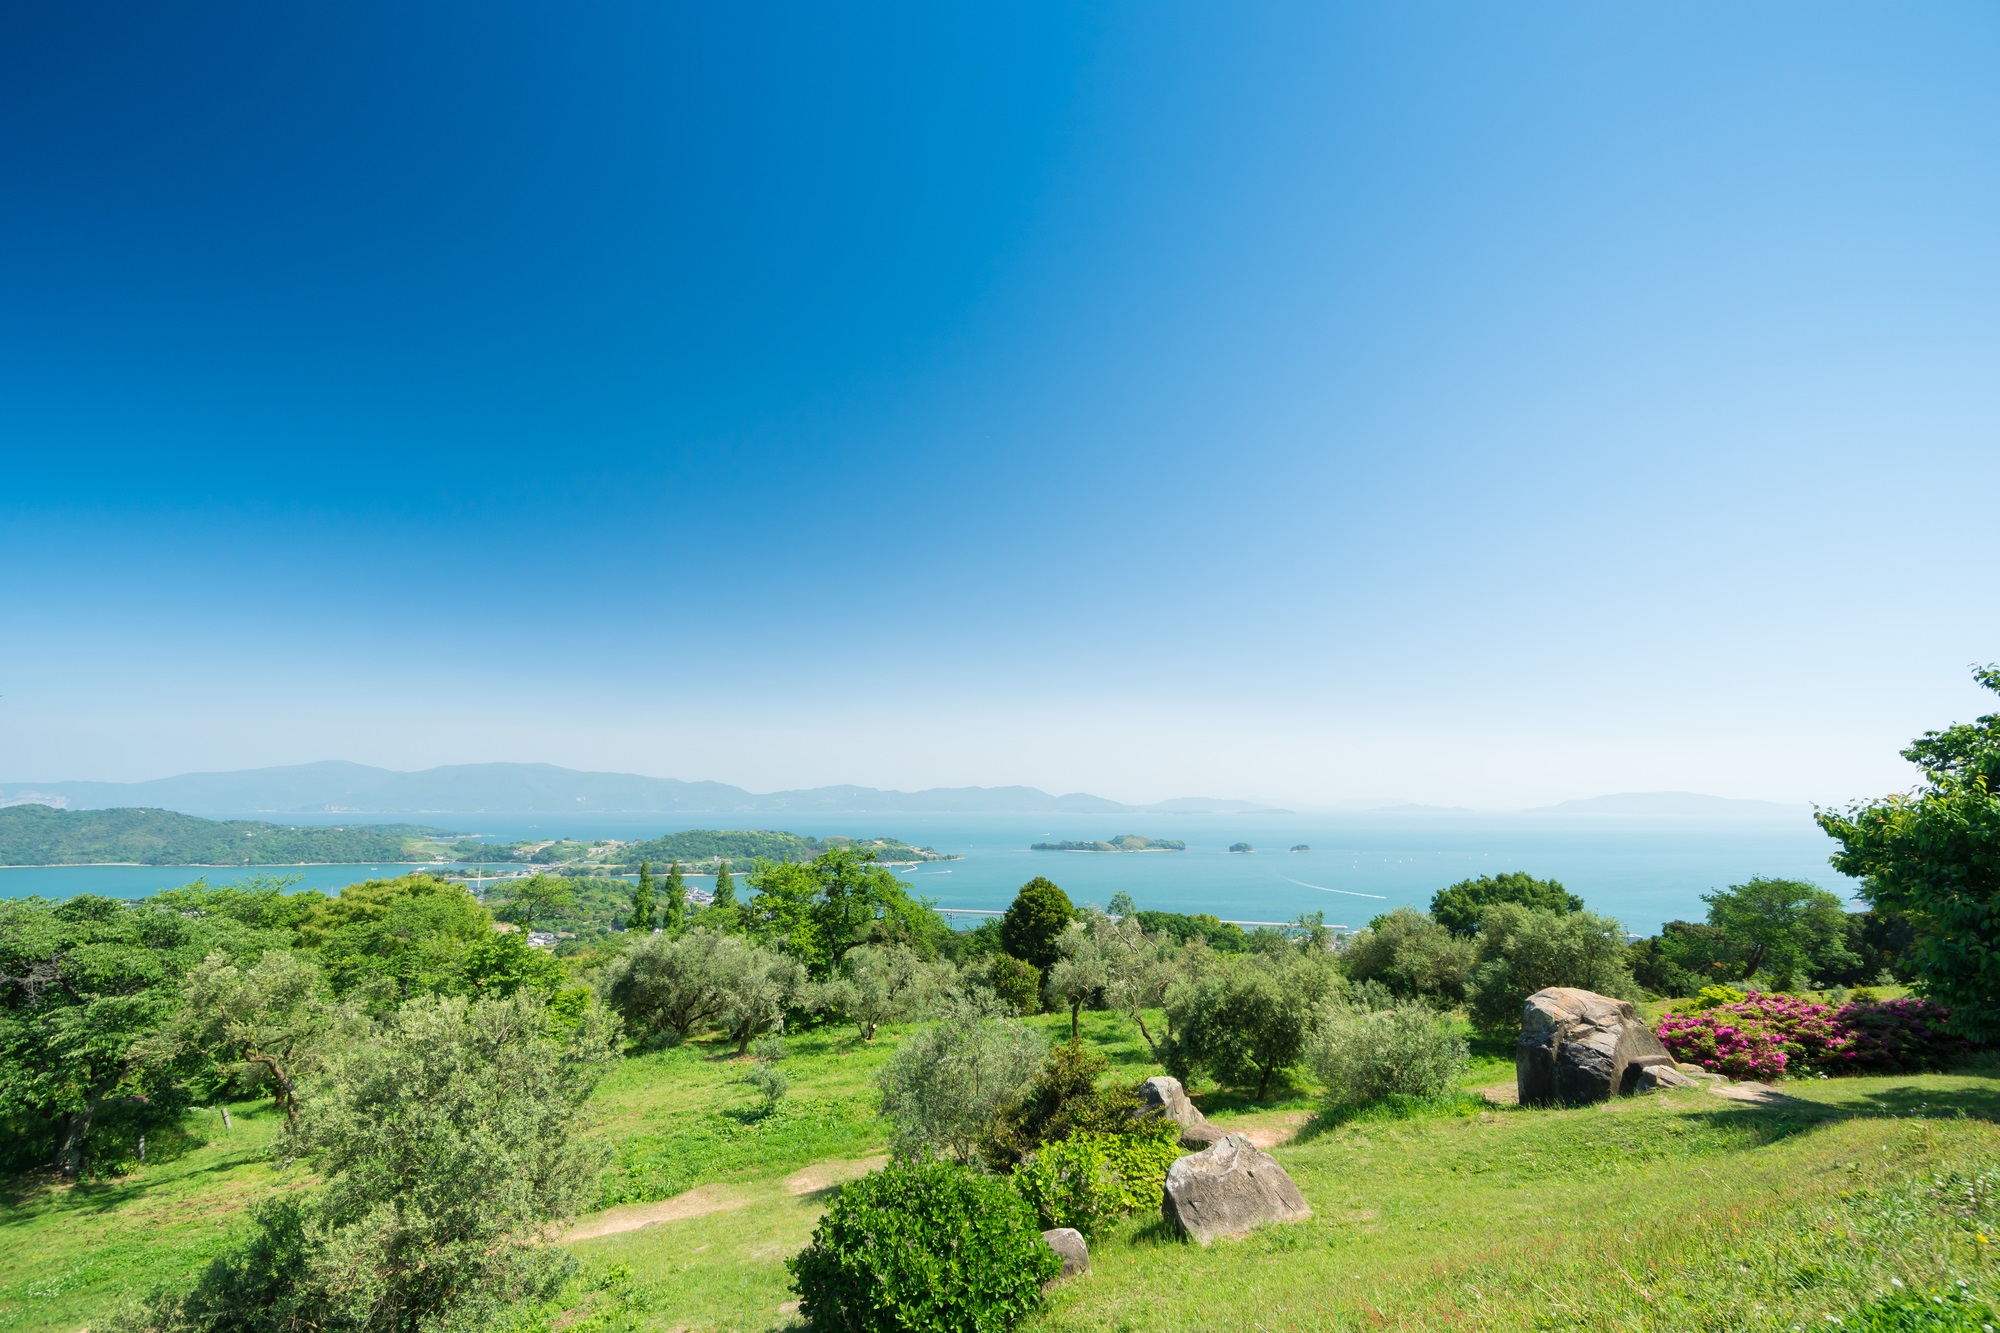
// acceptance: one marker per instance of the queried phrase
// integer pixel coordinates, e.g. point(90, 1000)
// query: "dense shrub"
point(1766, 1036)
point(1089, 1180)
point(1523, 950)
point(1038, 915)
point(923, 1247)
point(1407, 1051)
point(1063, 1098)
point(1018, 984)
point(1898, 1036)
point(1412, 955)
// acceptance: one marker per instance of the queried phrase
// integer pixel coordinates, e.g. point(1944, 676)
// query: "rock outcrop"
point(1578, 1046)
point(1227, 1189)
point(1067, 1242)
point(1652, 1078)
point(1163, 1098)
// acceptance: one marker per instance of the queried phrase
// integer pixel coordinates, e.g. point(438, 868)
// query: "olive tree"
point(880, 984)
point(672, 984)
point(1248, 1018)
point(945, 1084)
point(450, 1145)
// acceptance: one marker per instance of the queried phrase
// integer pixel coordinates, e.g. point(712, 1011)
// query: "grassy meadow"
point(1679, 1211)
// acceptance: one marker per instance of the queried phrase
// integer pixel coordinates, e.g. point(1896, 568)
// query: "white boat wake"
point(1324, 889)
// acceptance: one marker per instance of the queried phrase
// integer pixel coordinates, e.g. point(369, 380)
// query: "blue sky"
point(1480, 404)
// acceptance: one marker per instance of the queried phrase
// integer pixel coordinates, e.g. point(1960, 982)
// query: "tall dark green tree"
point(725, 886)
point(1457, 908)
point(1785, 929)
point(1934, 855)
point(1034, 921)
point(674, 901)
point(642, 901)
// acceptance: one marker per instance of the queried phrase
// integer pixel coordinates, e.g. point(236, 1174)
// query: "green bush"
point(1090, 1180)
point(1408, 1051)
point(923, 1247)
point(1522, 950)
point(1062, 1098)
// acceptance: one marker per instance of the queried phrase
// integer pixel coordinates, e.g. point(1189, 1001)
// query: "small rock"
point(1578, 1046)
point(1068, 1243)
point(1227, 1189)
point(1654, 1077)
point(1163, 1098)
point(1706, 1075)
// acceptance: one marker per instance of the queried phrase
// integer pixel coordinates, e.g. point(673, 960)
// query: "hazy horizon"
point(1289, 404)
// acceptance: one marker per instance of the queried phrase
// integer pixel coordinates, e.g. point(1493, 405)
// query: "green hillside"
point(38, 835)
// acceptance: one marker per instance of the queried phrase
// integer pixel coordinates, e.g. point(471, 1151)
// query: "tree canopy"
point(1457, 908)
point(1034, 921)
point(1934, 855)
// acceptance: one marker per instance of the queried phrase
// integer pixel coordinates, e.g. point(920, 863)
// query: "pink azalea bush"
point(1768, 1036)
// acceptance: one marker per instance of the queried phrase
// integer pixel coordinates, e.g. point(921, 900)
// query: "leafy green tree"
point(1457, 908)
point(273, 1019)
point(1081, 970)
point(1781, 928)
point(1414, 956)
point(946, 1082)
point(88, 991)
point(642, 900)
point(536, 898)
point(502, 962)
point(384, 941)
point(756, 993)
point(1934, 855)
point(1038, 915)
point(816, 911)
point(450, 1145)
point(674, 984)
point(1523, 950)
point(725, 889)
point(673, 910)
point(1248, 1018)
point(880, 983)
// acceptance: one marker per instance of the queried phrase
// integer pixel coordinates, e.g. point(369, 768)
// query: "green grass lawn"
point(1679, 1211)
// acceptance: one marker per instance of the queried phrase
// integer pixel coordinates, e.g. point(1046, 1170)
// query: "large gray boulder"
point(1578, 1046)
point(1227, 1189)
point(1068, 1243)
point(1163, 1098)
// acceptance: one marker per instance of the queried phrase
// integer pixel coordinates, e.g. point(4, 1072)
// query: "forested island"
point(1124, 842)
point(40, 835)
point(693, 848)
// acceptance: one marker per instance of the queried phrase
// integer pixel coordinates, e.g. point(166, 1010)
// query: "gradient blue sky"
point(1464, 403)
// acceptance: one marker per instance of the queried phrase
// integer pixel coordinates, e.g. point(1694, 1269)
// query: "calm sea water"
point(1641, 872)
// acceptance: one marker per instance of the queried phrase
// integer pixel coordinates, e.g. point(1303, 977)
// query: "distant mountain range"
point(335, 786)
point(1670, 805)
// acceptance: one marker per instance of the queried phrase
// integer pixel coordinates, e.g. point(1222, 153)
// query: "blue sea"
point(1642, 872)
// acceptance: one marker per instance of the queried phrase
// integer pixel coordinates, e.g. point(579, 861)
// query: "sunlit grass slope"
point(1681, 1211)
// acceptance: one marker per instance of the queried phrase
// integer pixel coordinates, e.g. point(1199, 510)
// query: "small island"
point(1124, 842)
point(1241, 847)
point(1301, 847)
